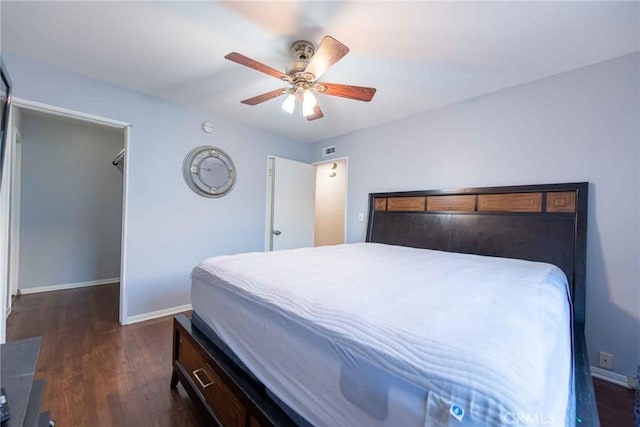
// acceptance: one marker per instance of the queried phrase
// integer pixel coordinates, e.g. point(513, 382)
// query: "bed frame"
point(546, 223)
point(535, 222)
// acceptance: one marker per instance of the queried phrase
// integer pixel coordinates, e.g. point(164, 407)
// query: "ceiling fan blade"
point(329, 52)
point(264, 97)
point(317, 114)
point(347, 91)
point(258, 66)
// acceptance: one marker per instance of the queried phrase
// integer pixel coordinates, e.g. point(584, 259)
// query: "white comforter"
point(491, 335)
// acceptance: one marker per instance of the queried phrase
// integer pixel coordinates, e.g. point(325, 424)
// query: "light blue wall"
point(71, 209)
point(583, 125)
point(169, 228)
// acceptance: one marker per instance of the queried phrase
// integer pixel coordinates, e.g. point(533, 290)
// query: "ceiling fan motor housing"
point(302, 51)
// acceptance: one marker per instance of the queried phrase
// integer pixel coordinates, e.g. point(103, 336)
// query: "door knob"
point(277, 232)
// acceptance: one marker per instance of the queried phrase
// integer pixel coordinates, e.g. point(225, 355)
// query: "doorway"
point(331, 203)
point(68, 201)
point(306, 203)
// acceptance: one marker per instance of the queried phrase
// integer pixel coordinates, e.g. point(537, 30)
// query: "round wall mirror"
point(209, 171)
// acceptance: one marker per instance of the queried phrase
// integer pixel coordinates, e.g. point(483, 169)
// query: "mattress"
point(370, 334)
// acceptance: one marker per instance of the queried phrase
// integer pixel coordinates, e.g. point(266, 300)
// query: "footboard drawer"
point(219, 387)
point(226, 407)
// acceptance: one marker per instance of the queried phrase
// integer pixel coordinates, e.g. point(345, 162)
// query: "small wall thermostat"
point(207, 127)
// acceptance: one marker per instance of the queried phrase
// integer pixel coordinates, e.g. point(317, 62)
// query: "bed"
point(286, 338)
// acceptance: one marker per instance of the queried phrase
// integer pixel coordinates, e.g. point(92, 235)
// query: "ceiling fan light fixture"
point(302, 76)
point(289, 103)
point(309, 102)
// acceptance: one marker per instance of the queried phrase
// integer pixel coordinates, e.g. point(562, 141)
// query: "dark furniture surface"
point(544, 223)
point(18, 361)
point(6, 88)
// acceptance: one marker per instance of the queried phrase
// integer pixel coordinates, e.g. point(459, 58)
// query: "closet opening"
point(67, 203)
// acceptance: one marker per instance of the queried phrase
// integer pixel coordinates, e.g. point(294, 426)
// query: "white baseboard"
point(50, 288)
point(158, 313)
point(612, 377)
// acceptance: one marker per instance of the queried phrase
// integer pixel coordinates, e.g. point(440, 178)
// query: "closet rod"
point(118, 158)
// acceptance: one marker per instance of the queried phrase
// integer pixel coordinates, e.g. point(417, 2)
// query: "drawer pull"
point(195, 374)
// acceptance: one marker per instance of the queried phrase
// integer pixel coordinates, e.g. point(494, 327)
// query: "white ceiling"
point(419, 55)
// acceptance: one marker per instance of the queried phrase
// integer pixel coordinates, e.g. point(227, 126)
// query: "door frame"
point(268, 237)
point(25, 104)
point(268, 223)
point(346, 187)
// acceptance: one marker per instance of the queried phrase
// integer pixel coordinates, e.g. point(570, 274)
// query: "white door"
point(293, 186)
point(14, 227)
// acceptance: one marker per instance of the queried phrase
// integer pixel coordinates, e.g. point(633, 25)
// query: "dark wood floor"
point(615, 404)
point(99, 373)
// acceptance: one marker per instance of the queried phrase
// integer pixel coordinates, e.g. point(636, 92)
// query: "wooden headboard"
point(546, 223)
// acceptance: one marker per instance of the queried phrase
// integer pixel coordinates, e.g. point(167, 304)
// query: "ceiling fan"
point(303, 75)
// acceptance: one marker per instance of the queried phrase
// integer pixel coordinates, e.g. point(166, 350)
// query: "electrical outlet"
point(605, 360)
